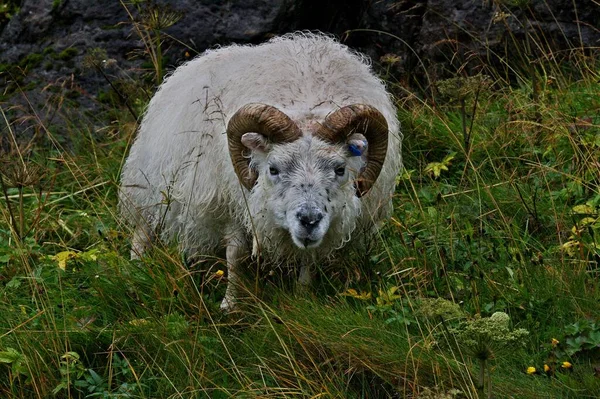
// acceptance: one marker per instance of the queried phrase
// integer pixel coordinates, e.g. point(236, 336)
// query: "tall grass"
point(497, 210)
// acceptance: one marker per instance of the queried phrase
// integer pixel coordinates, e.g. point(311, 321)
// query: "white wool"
point(179, 174)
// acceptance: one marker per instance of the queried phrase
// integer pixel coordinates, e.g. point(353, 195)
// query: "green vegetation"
point(8, 8)
point(67, 54)
point(31, 61)
point(485, 283)
point(17, 78)
point(149, 20)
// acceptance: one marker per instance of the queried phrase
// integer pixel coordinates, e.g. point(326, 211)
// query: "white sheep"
point(289, 149)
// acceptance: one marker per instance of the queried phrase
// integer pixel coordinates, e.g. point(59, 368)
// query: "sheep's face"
point(304, 186)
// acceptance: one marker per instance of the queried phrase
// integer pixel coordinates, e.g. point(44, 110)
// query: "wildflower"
point(390, 59)
point(484, 337)
point(555, 342)
point(433, 308)
point(160, 17)
point(531, 370)
point(500, 17)
point(566, 365)
point(546, 368)
point(219, 273)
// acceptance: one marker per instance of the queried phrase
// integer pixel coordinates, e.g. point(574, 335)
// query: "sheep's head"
point(306, 180)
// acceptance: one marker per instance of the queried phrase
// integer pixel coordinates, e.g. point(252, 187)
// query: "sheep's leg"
point(142, 238)
point(304, 281)
point(305, 277)
point(235, 252)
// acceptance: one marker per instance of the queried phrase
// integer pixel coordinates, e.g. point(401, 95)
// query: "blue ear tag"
point(354, 150)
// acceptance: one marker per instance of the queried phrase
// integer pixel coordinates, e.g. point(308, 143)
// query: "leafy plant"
point(71, 369)
point(584, 240)
point(93, 385)
point(582, 338)
point(17, 363)
point(392, 306)
point(434, 169)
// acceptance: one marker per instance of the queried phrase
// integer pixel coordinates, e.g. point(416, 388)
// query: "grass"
point(497, 210)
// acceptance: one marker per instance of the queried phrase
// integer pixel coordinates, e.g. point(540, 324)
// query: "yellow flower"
point(566, 365)
point(546, 368)
point(219, 273)
point(531, 370)
point(555, 342)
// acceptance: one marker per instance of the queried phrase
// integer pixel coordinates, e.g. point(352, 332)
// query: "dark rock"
point(416, 39)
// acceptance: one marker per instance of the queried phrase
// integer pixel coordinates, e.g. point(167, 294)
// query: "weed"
point(484, 339)
point(151, 21)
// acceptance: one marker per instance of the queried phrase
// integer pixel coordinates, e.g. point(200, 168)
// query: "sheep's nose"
point(309, 217)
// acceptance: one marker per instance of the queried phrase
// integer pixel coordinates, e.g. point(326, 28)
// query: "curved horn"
point(259, 118)
point(359, 118)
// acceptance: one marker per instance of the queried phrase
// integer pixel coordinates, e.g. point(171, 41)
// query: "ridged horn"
point(364, 119)
point(264, 119)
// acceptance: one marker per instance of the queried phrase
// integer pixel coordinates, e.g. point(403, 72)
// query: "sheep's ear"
point(255, 142)
point(357, 145)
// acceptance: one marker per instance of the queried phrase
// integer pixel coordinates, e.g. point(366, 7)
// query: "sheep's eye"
point(340, 171)
point(273, 171)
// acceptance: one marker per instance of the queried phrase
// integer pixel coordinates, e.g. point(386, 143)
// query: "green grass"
point(498, 210)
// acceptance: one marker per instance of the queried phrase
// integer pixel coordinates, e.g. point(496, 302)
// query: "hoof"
point(227, 305)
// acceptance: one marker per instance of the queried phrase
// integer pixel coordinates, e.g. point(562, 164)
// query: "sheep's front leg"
point(141, 241)
point(305, 277)
point(235, 253)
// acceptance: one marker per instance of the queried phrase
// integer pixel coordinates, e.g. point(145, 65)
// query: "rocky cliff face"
point(43, 48)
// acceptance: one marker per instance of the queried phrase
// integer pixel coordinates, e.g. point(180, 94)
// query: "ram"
point(288, 150)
